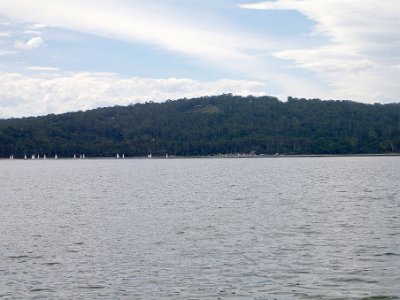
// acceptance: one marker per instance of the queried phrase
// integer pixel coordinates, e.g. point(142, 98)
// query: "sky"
point(69, 55)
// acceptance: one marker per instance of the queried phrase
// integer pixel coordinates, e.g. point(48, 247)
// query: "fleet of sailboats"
point(75, 156)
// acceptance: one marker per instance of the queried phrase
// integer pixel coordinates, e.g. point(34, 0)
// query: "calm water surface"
point(265, 228)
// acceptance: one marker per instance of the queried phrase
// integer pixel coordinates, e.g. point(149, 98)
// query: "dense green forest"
point(223, 124)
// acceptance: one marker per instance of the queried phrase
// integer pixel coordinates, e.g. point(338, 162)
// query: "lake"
point(256, 228)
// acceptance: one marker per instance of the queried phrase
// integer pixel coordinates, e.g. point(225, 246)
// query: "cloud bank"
point(25, 96)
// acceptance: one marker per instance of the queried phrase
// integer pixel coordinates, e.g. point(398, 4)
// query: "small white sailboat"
point(74, 156)
point(11, 156)
point(83, 156)
point(25, 157)
point(56, 156)
point(166, 155)
point(38, 157)
point(33, 157)
point(44, 156)
point(149, 155)
point(123, 156)
point(117, 156)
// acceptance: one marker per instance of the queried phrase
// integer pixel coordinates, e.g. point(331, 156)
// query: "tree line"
point(224, 124)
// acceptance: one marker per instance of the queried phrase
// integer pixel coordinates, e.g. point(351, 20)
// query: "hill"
point(208, 126)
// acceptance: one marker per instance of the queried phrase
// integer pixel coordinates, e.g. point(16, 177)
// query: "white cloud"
point(39, 68)
point(162, 25)
point(139, 22)
point(39, 26)
point(7, 52)
point(363, 46)
point(4, 34)
point(360, 60)
point(25, 96)
point(34, 42)
point(33, 32)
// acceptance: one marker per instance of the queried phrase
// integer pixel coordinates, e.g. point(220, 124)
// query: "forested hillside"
point(207, 126)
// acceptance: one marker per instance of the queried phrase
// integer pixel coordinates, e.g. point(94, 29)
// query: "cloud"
point(4, 34)
point(357, 58)
point(363, 45)
point(39, 26)
point(7, 52)
point(33, 32)
point(25, 96)
point(34, 42)
point(160, 24)
point(38, 68)
point(139, 22)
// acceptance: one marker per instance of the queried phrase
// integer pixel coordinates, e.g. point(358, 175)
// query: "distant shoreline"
point(212, 126)
point(210, 157)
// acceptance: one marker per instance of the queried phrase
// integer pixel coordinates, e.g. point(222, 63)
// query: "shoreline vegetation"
point(239, 156)
point(212, 126)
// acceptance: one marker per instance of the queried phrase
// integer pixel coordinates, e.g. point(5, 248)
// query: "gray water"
point(262, 228)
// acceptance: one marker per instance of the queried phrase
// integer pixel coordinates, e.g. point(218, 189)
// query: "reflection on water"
point(270, 228)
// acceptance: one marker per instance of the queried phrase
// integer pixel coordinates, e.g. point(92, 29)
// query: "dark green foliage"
point(207, 126)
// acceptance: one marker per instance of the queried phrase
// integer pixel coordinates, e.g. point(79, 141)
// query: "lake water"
point(260, 228)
